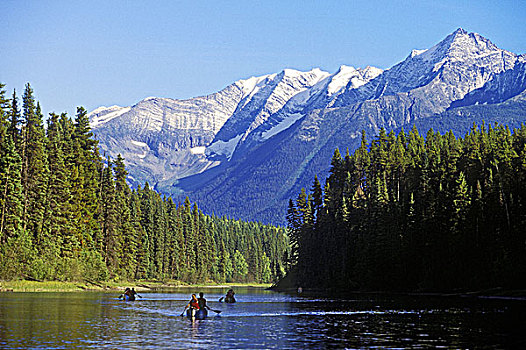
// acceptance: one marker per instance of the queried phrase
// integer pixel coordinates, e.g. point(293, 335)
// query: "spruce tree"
point(35, 169)
point(11, 197)
point(14, 243)
point(112, 244)
point(14, 122)
point(58, 229)
point(4, 113)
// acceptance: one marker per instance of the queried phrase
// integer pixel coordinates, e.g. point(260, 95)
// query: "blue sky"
point(94, 53)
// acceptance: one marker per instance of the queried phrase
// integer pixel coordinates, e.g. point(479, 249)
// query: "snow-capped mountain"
point(245, 150)
point(427, 81)
point(164, 139)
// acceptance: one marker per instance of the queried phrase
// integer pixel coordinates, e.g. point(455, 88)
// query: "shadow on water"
point(260, 320)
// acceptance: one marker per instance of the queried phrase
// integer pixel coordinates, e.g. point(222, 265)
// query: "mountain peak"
point(459, 31)
point(343, 68)
point(458, 45)
point(371, 72)
point(294, 73)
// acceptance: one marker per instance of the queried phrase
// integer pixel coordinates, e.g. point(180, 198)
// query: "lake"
point(260, 320)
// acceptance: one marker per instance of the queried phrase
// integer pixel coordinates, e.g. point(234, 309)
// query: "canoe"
point(198, 314)
point(227, 300)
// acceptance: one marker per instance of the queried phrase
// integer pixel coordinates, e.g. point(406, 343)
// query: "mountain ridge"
point(280, 131)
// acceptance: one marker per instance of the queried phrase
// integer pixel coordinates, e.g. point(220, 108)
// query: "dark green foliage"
point(14, 120)
point(35, 170)
point(412, 213)
point(68, 214)
point(11, 200)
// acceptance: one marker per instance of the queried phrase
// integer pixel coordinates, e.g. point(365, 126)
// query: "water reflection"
point(260, 320)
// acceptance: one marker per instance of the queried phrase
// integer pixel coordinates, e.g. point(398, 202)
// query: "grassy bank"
point(57, 286)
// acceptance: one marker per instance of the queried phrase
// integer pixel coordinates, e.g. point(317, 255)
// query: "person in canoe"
point(129, 294)
point(126, 294)
point(229, 298)
point(202, 302)
point(133, 293)
point(192, 306)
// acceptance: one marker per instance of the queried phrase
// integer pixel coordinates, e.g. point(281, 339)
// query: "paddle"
point(216, 311)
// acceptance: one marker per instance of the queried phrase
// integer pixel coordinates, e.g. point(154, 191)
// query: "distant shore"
point(493, 293)
point(142, 286)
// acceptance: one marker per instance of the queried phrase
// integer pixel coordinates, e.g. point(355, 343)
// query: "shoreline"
point(87, 286)
point(21, 286)
point(493, 293)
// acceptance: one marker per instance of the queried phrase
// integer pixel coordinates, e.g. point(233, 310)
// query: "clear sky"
point(94, 53)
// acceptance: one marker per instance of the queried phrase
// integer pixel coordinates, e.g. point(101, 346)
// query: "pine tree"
point(34, 166)
point(240, 266)
point(11, 191)
point(112, 244)
point(15, 246)
point(4, 113)
point(143, 259)
point(190, 243)
point(14, 121)
point(126, 235)
point(293, 230)
point(58, 229)
point(88, 166)
point(159, 237)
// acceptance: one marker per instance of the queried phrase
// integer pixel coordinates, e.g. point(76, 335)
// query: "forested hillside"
point(68, 214)
point(407, 212)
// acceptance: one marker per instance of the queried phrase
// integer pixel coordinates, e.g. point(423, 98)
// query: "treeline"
point(68, 214)
point(408, 212)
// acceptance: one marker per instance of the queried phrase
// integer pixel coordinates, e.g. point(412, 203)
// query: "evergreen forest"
point(412, 213)
point(68, 214)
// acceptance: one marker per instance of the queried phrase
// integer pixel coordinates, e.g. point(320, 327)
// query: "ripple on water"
point(259, 320)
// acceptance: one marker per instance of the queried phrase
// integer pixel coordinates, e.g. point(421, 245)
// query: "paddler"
point(193, 305)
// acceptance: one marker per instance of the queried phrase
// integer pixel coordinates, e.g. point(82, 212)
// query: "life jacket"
point(194, 304)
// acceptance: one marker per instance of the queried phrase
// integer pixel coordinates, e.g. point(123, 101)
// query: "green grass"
point(47, 286)
point(58, 286)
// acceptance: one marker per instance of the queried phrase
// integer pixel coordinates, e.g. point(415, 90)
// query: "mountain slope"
point(164, 139)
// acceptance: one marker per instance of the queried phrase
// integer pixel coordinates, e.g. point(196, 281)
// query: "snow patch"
point(252, 85)
point(224, 148)
point(98, 118)
point(417, 52)
point(356, 134)
point(357, 78)
point(285, 124)
point(139, 143)
point(340, 79)
point(370, 72)
point(198, 150)
point(100, 109)
point(292, 72)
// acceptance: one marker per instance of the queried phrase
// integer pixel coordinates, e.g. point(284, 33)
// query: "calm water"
point(260, 320)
